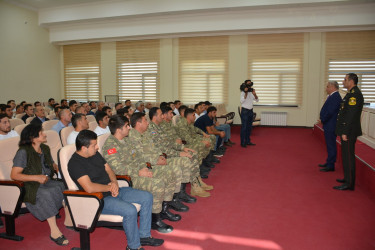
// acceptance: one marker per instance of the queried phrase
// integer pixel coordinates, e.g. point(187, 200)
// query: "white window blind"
point(138, 70)
point(82, 72)
point(203, 69)
point(276, 68)
point(352, 52)
point(365, 71)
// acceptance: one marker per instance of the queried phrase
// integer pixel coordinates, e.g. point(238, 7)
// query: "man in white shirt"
point(248, 96)
point(177, 105)
point(5, 130)
point(139, 107)
point(102, 119)
point(199, 110)
point(79, 122)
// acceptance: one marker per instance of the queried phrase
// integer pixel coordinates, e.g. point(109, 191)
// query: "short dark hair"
point(50, 99)
point(27, 105)
point(76, 118)
point(153, 111)
point(197, 105)
point(2, 116)
point(136, 117)
point(99, 116)
point(208, 103)
point(163, 104)
point(119, 103)
point(117, 122)
point(35, 103)
point(22, 103)
point(63, 100)
point(56, 108)
point(210, 109)
point(127, 101)
point(122, 111)
point(90, 103)
point(182, 107)
point(177, 101)
point(188, 111)
point(18, 106)
point(3, 107)
point(105, 108)
point(10, 101)
point(84, 138)
point(166, 109)
point(29, 133)
point(72, 102)
point(354, 77)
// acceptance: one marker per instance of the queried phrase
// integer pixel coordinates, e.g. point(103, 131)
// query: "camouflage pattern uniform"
point(189, 167)
point(194, 136)
point(142, 147)
point(119, 156)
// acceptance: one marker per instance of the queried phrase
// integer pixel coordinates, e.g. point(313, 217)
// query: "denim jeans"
point(122, 205)
point(226, 129)
point(246, 125)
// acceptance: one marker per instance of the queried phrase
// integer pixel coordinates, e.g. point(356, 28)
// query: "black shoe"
point(322, 165)
point(207, 164)
point(203, 176)
point(159, 225)
point(154, 242)
point(343, 187)
point(166, 214)
point(177, 205)
point(230, 142)
point(243, 145)
point(227, 144)
point(327, 169)
point(128, 248)
point(340, 180)
point(183, 196)
point(1, 224)
point(250, 144)
point(214, 159)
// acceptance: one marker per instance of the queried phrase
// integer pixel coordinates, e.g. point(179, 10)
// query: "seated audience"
point(37, 104)
point(107, 110)
point(206, 124)
point(56, 110)
point(6, 109)
point(19, 109)
point(198, 110)
point(29, 112)
point(139, 107)
point(92, 173)
point(51, 102)
point(40, 116)
point(72, 106)
point(64, 103)
point(5, 129)
point(80, 110)
point(79, 122)
point(177, 105)
point(65, 117)
point(102, 119)
point(123, 112)
point(23, 103)
point(148, 106)
point(92, 105)
point(86, 107)
point(100, 106)
point(118, 106)
point(128, 103)
point(33, 164)
point(12, 104)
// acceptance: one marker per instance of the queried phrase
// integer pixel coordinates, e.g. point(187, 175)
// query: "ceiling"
point(42, 4)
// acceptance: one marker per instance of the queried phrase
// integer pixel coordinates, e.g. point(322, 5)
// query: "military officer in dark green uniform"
point(349, 128)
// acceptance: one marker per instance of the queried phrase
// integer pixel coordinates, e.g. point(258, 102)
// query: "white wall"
point(29, 63)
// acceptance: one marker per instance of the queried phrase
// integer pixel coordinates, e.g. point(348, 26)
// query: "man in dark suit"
point(40, 116)
point(349, 128)
point(328, 116)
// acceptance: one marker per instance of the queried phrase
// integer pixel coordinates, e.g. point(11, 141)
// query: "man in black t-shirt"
point(91, 172)
point(206, 123)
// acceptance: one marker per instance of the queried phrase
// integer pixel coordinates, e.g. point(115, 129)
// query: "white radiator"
point(273, 118)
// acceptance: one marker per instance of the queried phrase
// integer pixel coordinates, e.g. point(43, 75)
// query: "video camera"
point(247, 84)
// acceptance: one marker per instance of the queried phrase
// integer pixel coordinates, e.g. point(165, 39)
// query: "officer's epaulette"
point(352, 91)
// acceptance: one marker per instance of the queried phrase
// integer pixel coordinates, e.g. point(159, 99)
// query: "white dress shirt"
point(248, 102)
point(72, 137)
point(11, 134)
point(99, 130)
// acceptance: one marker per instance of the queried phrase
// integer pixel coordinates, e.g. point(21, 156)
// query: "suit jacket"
point(36, 120)
point(349, 118)
point(329, 111)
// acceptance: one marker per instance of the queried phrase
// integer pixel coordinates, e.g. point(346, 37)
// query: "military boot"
point(203, 185)
point(196, 190)
point(185, 197)
point(158, 224)
point(166, 214)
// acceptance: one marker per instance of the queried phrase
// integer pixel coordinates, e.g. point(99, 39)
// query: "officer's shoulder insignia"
point(153, 132)
point(111, 151)
point(352, 91)
point(352, 101)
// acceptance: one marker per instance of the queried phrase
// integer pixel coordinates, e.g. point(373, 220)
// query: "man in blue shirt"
point(206, 123)
point(65, 117)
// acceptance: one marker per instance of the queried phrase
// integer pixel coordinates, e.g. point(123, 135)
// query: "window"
point(365, 71)
point(203, 67)
point(138, 70)
point(82, 72)
point(352, 52)
point(276, 68)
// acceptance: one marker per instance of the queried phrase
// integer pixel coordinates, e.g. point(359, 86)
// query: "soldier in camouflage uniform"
point(171, 135)
point(188, 164)
point(160, 181)
point(196, 139)
point(143, 146)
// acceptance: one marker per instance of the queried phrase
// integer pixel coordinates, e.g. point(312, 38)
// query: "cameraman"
point(248, 96)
